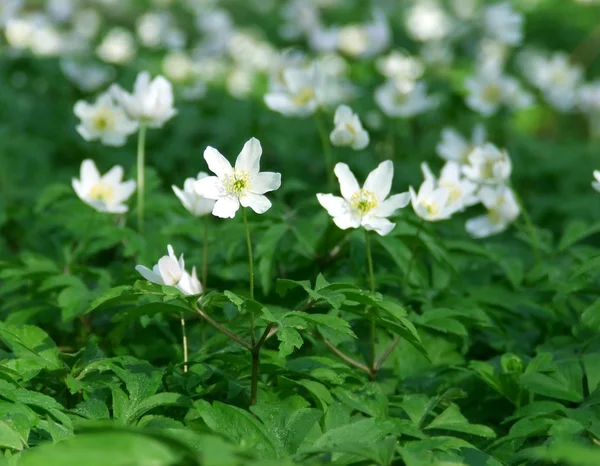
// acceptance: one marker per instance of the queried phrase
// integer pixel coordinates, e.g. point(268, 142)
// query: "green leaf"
point(567, 452)
point(452, 419)
point(290, 338)
point(32, 343)
point(160, 399)
point(103, 448)
point(549, 386)
point(9, 437)
point(118, 294)
point(575, 232)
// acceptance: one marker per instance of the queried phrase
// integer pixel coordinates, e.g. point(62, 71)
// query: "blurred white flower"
point(455, 147)
point(348, 129)
point(107, 193)
point(488, 91)
point(588, 98)
point(302, 93)
point(299, 17)
point(195, 204)
point(104, 120)
point(87, 76)
point(170, 271)
point(426, 20)
point(365, 40)
point(488, 165)
point(178, 66)
point(150, 28)
point(243, 184)
point(46, 41)
point(404, 99)
point(240, 81)
point(9, 10)
point(34, 32)
point(368, 206)
point(400, 67)
point(118, 46)
point(151, 102)
point(60, 10)
point(86, 22)
point(502, 23)
point(596, 184)
point(431, 202)
point(555, 76)
point(461, 190)
point(437, 53)
point(503, 209)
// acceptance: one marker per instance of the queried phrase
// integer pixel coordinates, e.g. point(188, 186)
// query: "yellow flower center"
point(431, 208)
point(455, 192)
point(304, 96)
point(363, 201)
point(103, 120)
point(495, 213)
point(464, 157)
point(350, 129)
point(492, 93)
point(102, 192)
point(238, 183)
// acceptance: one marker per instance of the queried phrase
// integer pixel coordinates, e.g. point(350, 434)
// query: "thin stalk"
point(349, 360)
point(372, 287)
point(326, 150)
point(251, 266)
point(386, 354)
point(412, 252)
point(529, 223)
point(141, 166)
point(184, 343)
point(255, 353)
point(223, 330)
point(205, 254)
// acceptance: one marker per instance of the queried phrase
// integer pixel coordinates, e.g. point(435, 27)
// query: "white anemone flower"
point(107, 193)
point(461, 190)
point(368, 206)
point(242, 185)
point(596, 184)
point(170, 271)
point(195, 204)
point(489, 90)
point(454, 146)
point(104, 120)
point(151, 102)
point(503, 24)
point(403, 99)
point(431, 202)
point(300, 95)
point(348, 129)
point(503, 209)
point(488, 165)
point(118, 46)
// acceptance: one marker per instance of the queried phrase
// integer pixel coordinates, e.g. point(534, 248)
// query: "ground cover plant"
point(299, 232)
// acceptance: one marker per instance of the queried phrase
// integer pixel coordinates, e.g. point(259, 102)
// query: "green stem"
point(251, 267)
point(412, 252)
point(184, 343)
point(205, 254)
point(372, 287)
point(141, 165)
point(529, 223)
point(326, 150)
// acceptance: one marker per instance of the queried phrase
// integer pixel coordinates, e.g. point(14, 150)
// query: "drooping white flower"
point(555, 76)
point(461, 190)
point(400, 67)
point(104, 120)
point(403, 99)
point(107, 193)
point(431, 202)
point(488, 165)
point(348, 129)
point(242, 185)
point(489, 90)
point(170, 271)
point(368, 206)
point(454, 146)
point(151, 102)
point(503, 209)
point(596, 184)
point(196, 205)
point(301, 95)
point(502, 23)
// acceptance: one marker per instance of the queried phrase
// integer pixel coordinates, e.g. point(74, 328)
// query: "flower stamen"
point(363, 201)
